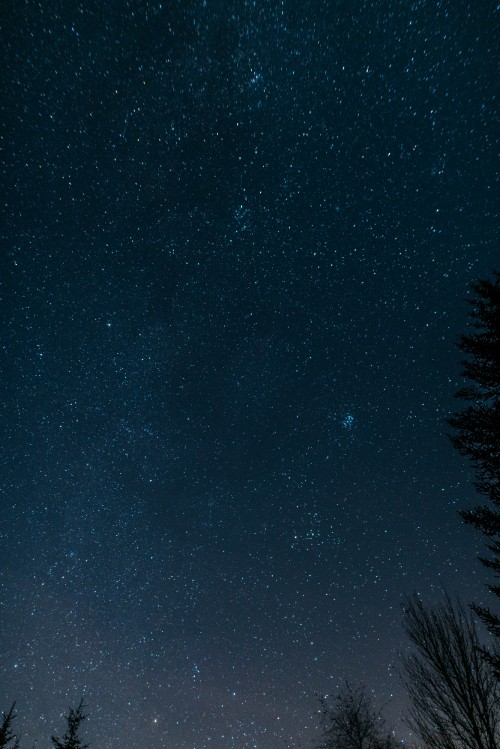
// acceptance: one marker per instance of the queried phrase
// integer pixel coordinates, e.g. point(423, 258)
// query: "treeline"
point(453, 691)
point(452, 678)
point(70, 740)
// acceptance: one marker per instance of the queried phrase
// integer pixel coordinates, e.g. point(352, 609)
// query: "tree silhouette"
point(454, 693)
point(477, 428)
point(8, 739)
point(351, 722)
point(71, 740)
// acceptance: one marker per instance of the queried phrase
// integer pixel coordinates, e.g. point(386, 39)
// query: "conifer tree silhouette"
point(8, 739)
point(71, 740)
point(477, 431)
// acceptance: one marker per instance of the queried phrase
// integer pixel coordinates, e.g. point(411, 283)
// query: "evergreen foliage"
point(8, 739)
point(71, 740)
point(477, 429)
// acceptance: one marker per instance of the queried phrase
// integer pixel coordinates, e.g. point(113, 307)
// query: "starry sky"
point(237, 240)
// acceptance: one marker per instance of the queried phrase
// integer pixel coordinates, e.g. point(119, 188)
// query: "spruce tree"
point(71, 740)
point(476, 432)
point(8, 739)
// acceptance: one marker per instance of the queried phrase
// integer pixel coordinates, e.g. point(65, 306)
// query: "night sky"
point(237, 241)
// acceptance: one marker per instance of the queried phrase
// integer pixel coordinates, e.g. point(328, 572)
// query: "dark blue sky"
point(237, 240)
